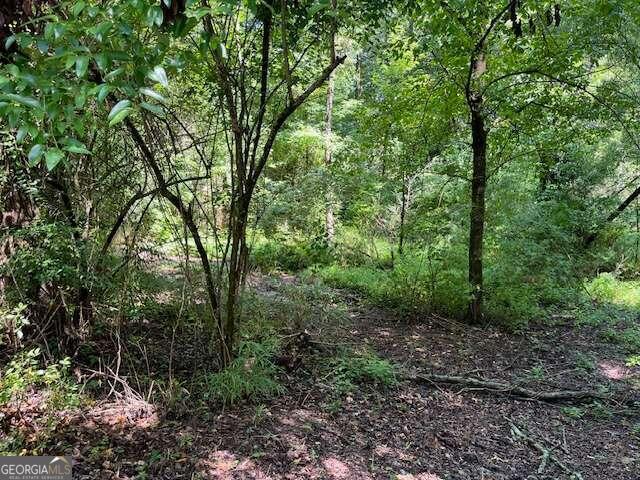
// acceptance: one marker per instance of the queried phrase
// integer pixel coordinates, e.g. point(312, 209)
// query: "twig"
point(545, 453)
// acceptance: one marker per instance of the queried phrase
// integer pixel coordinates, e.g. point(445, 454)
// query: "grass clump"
point(361, 368)
point(607, 288)
point(251, 376)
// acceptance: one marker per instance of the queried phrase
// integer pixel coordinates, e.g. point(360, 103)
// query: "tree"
point(479, 46)
point(113, 67)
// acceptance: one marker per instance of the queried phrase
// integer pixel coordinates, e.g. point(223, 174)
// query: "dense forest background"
point(194, 196)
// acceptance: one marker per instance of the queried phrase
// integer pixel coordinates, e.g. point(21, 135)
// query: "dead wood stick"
point(545, 453)
point(506, 388)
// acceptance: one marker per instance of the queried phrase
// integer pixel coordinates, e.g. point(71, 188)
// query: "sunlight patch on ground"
point(122, 414)
point(339, 470)
point(419, 476)
point(614, 370)
point(394, 453)
point(224, 465)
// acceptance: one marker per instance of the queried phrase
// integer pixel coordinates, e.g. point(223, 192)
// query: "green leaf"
point(58, 30)
point(9, 42)
point(102, 60)
point(34, 154)
point(152, 94)
point(154, 16)
point(317, 6)
point(42, 46)
point(119, 112)
point(167, 3)
point(27, 101)
point(159, 75)
point(111, 75)
point(74, 146)
point(77, 8)
point(199, 13)
point(103, 91)
point(53, 158)
point(22, 133)
point(82, 63)
point(155, 109)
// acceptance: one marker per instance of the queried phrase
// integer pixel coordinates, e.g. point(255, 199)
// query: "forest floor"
point(407, 431)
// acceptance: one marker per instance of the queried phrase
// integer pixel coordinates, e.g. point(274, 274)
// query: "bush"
point(12, 321)
point(19, 381)
point(415, 284)
point(607, 288)
point(362, 368)
point(275, 255)
point(251, 376)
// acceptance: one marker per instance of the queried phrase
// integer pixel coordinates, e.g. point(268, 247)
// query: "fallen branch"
point(506, 388)
point(544, 452)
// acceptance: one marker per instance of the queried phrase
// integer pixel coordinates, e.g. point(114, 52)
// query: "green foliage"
point(50, 387)
point(607, 288)
point(365, 368)
point(410, 286)
point(12, 322)
point(251, 376)
point(585, 362)
point(52, 257)
point(281, 255)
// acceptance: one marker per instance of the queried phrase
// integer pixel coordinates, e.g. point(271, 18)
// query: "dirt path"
point(406, 432)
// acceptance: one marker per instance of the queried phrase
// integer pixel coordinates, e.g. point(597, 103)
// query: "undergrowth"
point(251, 376)
point(37, 394)
point(353, 368)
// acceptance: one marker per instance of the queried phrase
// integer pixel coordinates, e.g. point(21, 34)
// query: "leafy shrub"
point(274, 255)
point(251, 376)
point(52, 257)
point(19, 381)
point(362, 368)
point(413, 285)
point(607, 288)
point(12, 321)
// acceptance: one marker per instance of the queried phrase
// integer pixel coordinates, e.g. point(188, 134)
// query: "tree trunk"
point(328, 144)
point(328, 158)
point(236, 273)
point(403, 212)
point(476, 227)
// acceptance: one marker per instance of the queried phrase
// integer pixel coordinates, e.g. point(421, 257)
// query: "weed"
point(251, 376)
point(585, 362)
point(361, 368)
point(599, 410)
point(537, 373)
point(19, 380)
point(633, 361)
point(260, 413)
point(573, 412)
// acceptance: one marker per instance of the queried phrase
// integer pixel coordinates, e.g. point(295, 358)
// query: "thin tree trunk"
point(358, 76)
point(237, 271)
point(187, 217)
point(403, 212)
point(476, 228)
point(328, 144)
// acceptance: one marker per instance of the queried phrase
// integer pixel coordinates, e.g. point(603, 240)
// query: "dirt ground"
point(408, 431)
